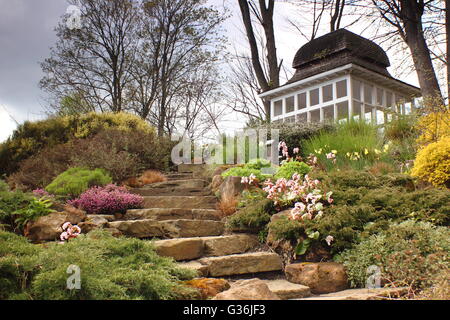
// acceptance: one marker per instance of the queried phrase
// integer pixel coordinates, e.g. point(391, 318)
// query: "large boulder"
point(216, 182)
point(49, 227)
point(231, 187)
point(321, 277)
point(252, 289)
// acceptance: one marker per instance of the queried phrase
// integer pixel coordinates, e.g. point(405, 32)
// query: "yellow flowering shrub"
point(434, 126)
point(433, 163)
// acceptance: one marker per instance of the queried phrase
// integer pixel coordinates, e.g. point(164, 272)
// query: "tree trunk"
point(412, 18)
point(447, 33)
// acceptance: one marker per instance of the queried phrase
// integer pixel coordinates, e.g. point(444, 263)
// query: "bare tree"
point(406, 18)
point(94, 61)
point(179, 37)
point(263, 11)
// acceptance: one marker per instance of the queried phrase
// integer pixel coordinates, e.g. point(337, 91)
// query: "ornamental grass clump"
point(107, 200)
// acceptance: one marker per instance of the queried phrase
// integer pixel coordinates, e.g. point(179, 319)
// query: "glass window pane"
point(368, 113)
point(301, 100)
point(302, 117)
point(368, 89)
point(379, 96)
point(357, 90)
point(357, 110)
point(388, 99)
point(341, 89)
point(290, 104)
point(315, 115)
point(278, 108)
point(342, 110)
point(314, 97)
point(328, 113)
point(327, 93)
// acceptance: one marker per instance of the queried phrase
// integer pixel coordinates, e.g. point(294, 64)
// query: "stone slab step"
point(170, 191)
point(178, 184)
point(187, 202)
point(181, 228)
point(190, 168)
point(361, 294)
point(172, 214)
point(286, 290)
point(241, 263)
point(194, 248)
point(179, 176)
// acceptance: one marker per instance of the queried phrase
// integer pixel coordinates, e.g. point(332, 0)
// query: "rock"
point(186, 202)
point(114, 232)
point(208, 287)
point(242, 263)
point(231, 244)
point(172, 214)
point(270, 236)
point(99, 221)
point(107, 217)
point(321, 277)
point(362, 294)
point(148, 228)
point(216, 182)
point(87, 226)
point(286, 290)
point(180, 249)
point(49, 227)
point(252, 289)
point(74, 215)
point(231, 187)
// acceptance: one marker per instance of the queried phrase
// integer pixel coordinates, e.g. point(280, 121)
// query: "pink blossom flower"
point(329, 239)
point(296, 150)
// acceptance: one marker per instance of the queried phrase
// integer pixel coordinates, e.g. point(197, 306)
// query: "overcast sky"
point(27, 33)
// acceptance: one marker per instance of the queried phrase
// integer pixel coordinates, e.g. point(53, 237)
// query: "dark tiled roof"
point(336, 49)
point(339, 41)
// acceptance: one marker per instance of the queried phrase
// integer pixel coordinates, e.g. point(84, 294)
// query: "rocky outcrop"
point(321, 277)
point(286, 290)
point(253, 289)
point(231, 187)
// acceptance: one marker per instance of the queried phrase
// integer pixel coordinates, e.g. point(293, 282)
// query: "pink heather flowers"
point(107, 200)
point(69, 231)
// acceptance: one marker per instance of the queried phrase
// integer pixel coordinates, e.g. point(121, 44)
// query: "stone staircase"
point(182, 213)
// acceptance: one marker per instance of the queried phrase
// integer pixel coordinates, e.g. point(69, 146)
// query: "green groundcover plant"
point(412, 254)
point(110, 268)
point(75, 181)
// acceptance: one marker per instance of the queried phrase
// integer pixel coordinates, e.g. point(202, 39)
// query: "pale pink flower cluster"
point(309, 199)
point(331, 156)
point(250, 180)
point(284, 149)
point(69, 231)
point(329, 239)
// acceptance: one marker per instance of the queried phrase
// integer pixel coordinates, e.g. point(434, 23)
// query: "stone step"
point(172, 214)
point(181, 228)
point(237, 264)
point(187, 202)
point(179, 176)
point(171, 191)
point(194, 248)
point(362, 294)
point(190, 168)
point(177, 184)
point(286, 290)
